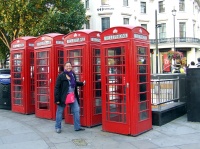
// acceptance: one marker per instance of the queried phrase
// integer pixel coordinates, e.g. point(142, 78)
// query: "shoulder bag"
point(70, 98)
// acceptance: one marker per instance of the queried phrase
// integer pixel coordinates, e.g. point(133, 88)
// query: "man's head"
point(198, 59)
point(192, 63)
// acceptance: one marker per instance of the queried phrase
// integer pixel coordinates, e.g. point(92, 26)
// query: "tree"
point(36, 17)
point(4, 54)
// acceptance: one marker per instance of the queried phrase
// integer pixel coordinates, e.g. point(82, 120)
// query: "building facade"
point(175, 25)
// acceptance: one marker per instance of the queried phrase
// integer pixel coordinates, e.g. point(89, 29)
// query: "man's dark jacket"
point(62, 87)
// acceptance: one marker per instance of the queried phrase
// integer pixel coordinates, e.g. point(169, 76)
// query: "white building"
point(103, 14)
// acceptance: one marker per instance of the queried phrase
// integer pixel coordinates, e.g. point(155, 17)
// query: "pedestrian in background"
point(192, 65)
point(198, 63)
point(66, 83)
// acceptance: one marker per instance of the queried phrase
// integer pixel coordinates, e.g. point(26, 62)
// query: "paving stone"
point(172, 147)
point(39, 144)
point(144, 144)
point(20, 130)
point(5, 132)
point(177, 140)
point(20, 138)
point(190, 146)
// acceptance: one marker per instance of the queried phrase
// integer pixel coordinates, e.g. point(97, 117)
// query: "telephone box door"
point(96, 103)
point(116, 112)
point(42, 90)
point(17, 84)
point(75, 56)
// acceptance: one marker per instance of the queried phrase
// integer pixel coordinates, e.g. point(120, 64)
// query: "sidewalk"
point(18, 131)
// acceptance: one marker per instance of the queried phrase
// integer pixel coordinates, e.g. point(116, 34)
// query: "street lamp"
point(156, 34)
point(174, 14)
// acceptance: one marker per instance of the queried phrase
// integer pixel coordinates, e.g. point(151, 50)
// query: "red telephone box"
point(22, 75)
point(82, 49)
point(49, 60)
point(126, 100)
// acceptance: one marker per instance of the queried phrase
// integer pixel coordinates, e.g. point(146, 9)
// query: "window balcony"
point(177, 40)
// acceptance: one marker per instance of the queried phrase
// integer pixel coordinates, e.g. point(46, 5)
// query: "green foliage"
point(36, 17)
point(65, 16)
point(4, 51)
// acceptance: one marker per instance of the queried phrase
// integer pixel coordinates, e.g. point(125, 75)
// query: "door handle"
point(23, 78)
point(50, 80)
point(127, 85)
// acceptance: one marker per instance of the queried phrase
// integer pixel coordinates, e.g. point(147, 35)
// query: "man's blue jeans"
point(76, 115)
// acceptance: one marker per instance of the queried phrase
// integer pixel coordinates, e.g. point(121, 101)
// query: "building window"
point(105, 23)
point(86, 4)
point(162, 30)
point(104, 2)
point(161, 7)
point(144, 25)
point(182, 28)
point(181, 5)
point(126, 20)
point(143, 7)
point(87, 24)
point(125, 2)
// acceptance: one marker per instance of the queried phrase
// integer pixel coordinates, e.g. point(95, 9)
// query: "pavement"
point(18, 131)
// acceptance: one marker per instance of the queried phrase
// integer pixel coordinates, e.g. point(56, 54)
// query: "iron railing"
point(164, 91)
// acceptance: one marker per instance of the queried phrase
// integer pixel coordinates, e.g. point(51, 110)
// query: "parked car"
point(4, 71)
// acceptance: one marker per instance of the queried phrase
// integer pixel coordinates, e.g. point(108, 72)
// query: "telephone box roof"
point(52, 34)
point(25, 38)
point(87, 31)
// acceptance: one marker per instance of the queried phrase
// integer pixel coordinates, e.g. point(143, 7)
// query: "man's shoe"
point(58, 130)
point(80, 129)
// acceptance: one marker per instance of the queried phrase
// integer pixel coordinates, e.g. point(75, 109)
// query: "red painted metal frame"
point(48, 62)
point(87, 41)
point(137, 110)
point(22, 77)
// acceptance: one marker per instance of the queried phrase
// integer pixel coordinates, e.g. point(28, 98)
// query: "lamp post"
point(174, 14)
point(156, 36)
point(156, 33)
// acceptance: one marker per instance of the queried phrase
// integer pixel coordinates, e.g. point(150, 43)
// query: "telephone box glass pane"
point(17, 56)
point(142, 51)
point(143, 78)
point(44, 106)
point(75, 53)
point(143, 115)
point(77, 70)
point(142, 87)
point(17, 75)
point(143, 106)
point(115, 85)
point(142, 69)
